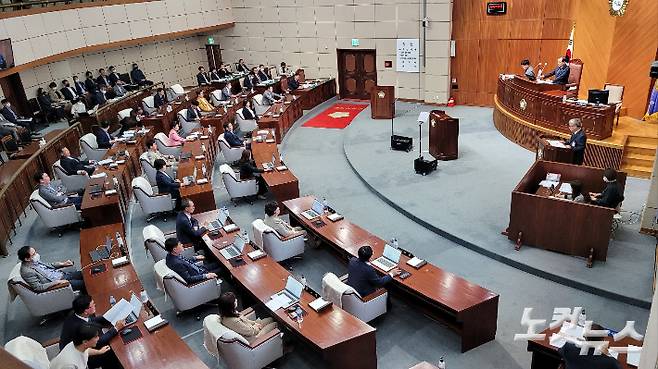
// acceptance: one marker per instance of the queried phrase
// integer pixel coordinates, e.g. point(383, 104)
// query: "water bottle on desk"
point(203, 148)
point(194, 172)
point(325, 204)
point(442, 363)
point(394, 241)
point(582, 318)
point(112, 300)
point(203, 170)
point(302, 279)
point(245, 237)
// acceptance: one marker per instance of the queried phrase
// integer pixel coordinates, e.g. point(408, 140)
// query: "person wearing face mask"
point(263, 74)
point(10, 115)
point(232, 319)
point(68, 92)
point(202, 77)
point(79, 87)
point(42, 276)
point(138, 76)
point(611, 195)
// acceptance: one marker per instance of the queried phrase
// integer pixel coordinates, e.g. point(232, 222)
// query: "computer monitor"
point(294, 287)
point(221, 217)
point(239, 243)
point(598, 96)
point(392, 253)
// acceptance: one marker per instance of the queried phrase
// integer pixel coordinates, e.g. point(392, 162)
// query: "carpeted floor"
point(468, 200)
point(404, 336)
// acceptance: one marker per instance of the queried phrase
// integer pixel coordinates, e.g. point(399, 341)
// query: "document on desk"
point(633, 355)
point(557, 143)
point(548, 184)
point(119, 311)
point(277, 302)
point(565, 188)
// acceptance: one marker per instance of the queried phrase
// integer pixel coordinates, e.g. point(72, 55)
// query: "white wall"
point(42, 35)
point(306, 33)
point(173, 61)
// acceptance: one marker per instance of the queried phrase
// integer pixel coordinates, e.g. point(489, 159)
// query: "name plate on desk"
point(155, 323)
point(200, 157)
point(416, 262)
point(110, 192)
point(119, 262)
point(202, 181)
point(256, 254)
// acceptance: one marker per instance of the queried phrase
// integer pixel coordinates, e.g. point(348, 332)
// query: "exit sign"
point(497, 8)
point(211, 40)
point(355, 42)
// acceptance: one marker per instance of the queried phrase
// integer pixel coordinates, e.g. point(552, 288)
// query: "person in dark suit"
point(248, 111)
point(230, 137)
point(103, 137)
point(577, 141)
point(46, 104)
point(248, 83)
point(263, 74)
point(242, 67)
point(214, 75)
point(193, 112)
point(528, 71)
point(113, 76)
point(188, 230)
point(14, 118)
point(165, 183)
point(293, 83)
point(186, 267)
point(202, 78)
point(138, 76)
point(561, 72)
point(223, 72)
point(84, 311)
point(248, 169)
point(90, 84)
point(611, 195)
point(362, 277)
point(102, 78)
point(98, 96)
point(132, 121)
point(160, 98)
point(80, 87)
point(68, 92)
point(74, 165)
point(574, 360)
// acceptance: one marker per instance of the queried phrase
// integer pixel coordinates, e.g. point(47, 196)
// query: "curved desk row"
point(524, 111)
point(16, 176)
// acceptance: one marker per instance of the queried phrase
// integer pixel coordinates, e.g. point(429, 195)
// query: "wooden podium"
point(444, 134)
point(382, 102)
point(548, 152)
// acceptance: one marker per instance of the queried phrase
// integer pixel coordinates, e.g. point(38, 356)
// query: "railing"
point(17, 8)
point(14, 5)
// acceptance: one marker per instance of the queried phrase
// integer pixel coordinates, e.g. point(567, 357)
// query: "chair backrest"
point(178, 89)
point(575, 71)
point(160, 136)
point(58, 170)
point(284, 83)
point(258, 99)
point(616, 93)
point(29, 352)
point(228, 173)
point(148, 169)
point(216, 96)
point(123, 114)
point(141, 184)
point(90, 140)
point(39, 203)
point(154, 240)
point(258, 227)
point(149, 102)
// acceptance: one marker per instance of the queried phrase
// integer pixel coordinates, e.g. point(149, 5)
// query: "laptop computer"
point(102, 252)
point(95, 188)
point(389, 259)
point(270, 165)
point(136, 304)
point(315, 211)
point(234, 250)
point(291, 293)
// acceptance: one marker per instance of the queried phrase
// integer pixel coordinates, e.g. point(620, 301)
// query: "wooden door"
point(357, 73)
point(214, 53)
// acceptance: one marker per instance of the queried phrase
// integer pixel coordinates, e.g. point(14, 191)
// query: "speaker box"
point(653, 73)
point(424, 167)
point(401, 143)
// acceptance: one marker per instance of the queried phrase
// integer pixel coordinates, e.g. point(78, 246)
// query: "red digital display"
point(497, 8)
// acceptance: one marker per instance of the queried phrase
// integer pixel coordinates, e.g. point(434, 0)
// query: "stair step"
point(637, 156)
point(641, 144)
point(636, 170)
point(639, 150)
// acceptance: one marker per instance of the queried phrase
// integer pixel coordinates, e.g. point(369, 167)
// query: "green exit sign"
point(211, 40)
point(355, 42)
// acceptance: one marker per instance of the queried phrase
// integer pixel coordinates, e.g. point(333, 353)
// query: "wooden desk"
point(545, 356)
point(564, 226)
point(471, 310)
point(547, 109)
point(548, 152)
point(344, 341)
point(322, 90)
point(282, 184)
point(10, 361)
point(281, 116)
point(109, 112)
point(201, 194)
point(162, 348)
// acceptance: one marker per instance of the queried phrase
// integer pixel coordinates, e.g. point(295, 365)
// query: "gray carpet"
point(404, 336)
point(468, 200)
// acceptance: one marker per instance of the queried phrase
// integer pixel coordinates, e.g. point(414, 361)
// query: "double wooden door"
point(357, 73)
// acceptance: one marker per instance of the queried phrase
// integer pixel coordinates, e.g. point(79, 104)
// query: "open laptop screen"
point(317, 207)
point(238, 243)
point(294, 287)
point(221, 217)
point(392, 254)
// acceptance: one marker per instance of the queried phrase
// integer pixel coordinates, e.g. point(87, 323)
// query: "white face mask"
point(236, 305)
point(36, 257)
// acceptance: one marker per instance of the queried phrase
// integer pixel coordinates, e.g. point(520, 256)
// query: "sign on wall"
point(408, 55)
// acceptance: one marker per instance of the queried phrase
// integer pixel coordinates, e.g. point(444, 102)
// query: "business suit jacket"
point(279, 225)
point(186, 268)
point(72, 165)
point(248, 82)
point(574, 360)
point(248, 168)
point(45, 103)
point(103, 80)
point(223, 73)
point(52, 196)
point(363, 277)
point(292, 84)
point(90, 85)
point(35, 278)
point(114, 78)
point(226, 92)
point(561, 75)
point(98, 98)
point(242, 68)
point(270, 97)
point(103, 139)
point(159, 101)
point(214, 75)
point(192, 113)
point(167, 184)
point(202, 79)
point(611, 196)
point(9, 114)
point(80, 88)
point(73, 322)
point(137, 75)
point(263, 76)
point(577, 142)
point(187, 229)
point(69, 93)
point(248, 113)
point(232, 139)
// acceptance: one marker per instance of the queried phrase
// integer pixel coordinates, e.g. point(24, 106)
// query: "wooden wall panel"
point(537, 30)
